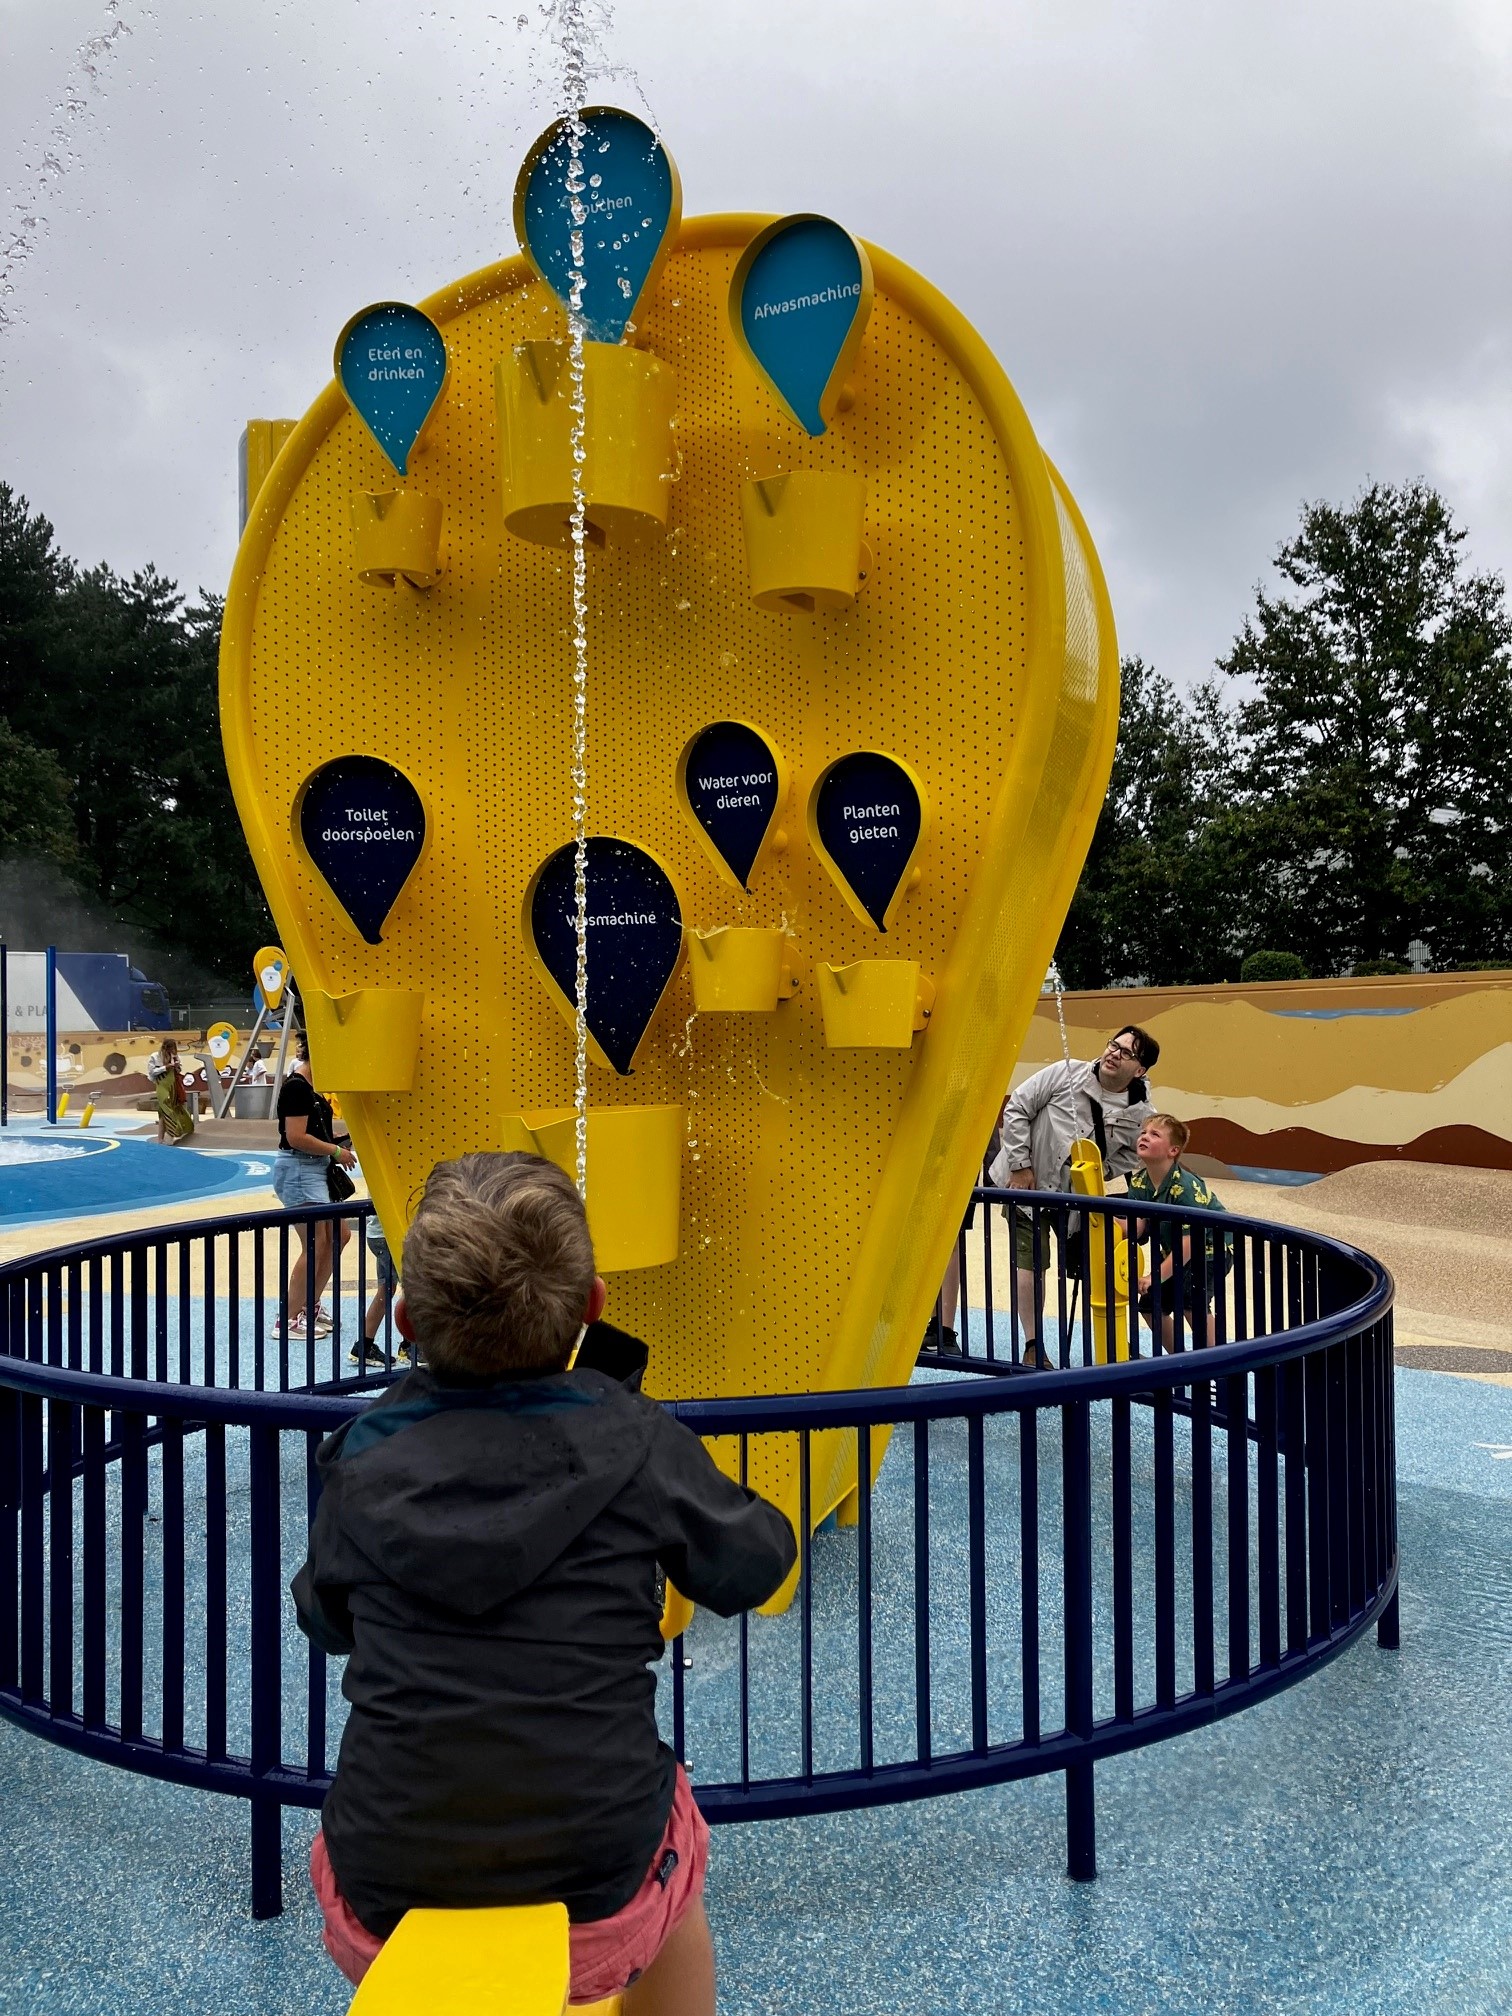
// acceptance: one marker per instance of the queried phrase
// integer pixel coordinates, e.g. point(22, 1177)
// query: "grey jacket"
point(1052, 1109)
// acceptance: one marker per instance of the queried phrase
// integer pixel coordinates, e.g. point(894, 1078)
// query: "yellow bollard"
point(87, 1115)
point(461, 1963)
point(63, 1099)
point(1108, 1298)
point(677, 1614)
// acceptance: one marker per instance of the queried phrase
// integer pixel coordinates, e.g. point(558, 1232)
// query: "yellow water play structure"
point(873, 634)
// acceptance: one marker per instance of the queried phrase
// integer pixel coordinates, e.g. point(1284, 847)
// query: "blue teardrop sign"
point(634, 939)
point(799, 302)
point(391, 364)
point(632, 205)
point(731, 782)
point(363, 825)
point(867, 820)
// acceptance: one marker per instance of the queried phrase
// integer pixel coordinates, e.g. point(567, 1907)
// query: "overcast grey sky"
point(1231, 255)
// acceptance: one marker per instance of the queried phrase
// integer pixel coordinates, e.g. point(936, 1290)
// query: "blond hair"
point(498, 1266)
point(1177, 1131)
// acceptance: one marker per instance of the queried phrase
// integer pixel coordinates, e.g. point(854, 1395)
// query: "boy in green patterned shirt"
point(1161, 1178)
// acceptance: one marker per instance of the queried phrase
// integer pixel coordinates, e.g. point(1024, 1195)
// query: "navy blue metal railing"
point(1051, 1567)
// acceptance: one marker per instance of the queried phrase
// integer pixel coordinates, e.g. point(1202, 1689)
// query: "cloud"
point(1232, 258)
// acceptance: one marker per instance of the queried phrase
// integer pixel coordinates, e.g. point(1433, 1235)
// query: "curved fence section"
point(1047, 1568)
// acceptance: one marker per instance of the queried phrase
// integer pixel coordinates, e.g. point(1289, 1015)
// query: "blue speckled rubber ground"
point(1342, 1848)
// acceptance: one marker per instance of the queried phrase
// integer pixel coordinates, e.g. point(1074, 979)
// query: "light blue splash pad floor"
point(1340, 1849)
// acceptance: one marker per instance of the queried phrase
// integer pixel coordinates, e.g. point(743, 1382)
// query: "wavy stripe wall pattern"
point(1320, 1075)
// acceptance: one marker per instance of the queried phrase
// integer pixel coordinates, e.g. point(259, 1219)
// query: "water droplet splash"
point(59, 152)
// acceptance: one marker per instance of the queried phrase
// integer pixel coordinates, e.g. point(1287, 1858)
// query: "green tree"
point(35, 817)
point(117, 680)
point(1148, 907)
point(1373, 741)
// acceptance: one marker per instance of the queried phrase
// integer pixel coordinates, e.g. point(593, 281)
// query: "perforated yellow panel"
point(822, 1188)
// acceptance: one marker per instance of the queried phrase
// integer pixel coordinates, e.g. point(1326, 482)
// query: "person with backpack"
point(1108, 1102)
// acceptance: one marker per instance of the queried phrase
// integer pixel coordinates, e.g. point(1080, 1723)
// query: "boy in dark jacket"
point(486, 1553)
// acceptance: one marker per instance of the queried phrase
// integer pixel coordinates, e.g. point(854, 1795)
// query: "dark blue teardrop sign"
point(866, 818)
point(730, 784)
point(632, 205)
point(363, 825)
point(634, 937)
point(799, 301)
point(391, 364)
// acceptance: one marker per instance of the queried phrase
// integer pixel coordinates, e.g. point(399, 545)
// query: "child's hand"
point(1145, 1284)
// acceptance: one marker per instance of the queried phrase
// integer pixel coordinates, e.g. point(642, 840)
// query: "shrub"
point(1378, 969)
point(1273, 966)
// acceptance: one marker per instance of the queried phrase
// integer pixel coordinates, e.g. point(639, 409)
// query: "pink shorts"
point(607, 1953)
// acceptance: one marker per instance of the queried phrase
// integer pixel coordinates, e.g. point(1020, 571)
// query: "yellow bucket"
point(628, 397)
point(364, 1042)
point(739, 970)
point(634, 1175)
point(396, 535)
point(875, 1004)
point(803, 540)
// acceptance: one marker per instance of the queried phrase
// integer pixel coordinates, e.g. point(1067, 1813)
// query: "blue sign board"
point(632, 206)
point(363, 826)
point(391, 364)
point(732, 787)
point(799, 300)
point(634, 939)
point(868, 818)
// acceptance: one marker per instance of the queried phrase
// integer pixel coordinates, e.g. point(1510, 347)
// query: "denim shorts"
point(301, 1179)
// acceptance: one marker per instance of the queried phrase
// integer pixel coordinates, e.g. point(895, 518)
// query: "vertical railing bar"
point(1238, 1527)
point(157, 1259)
point(1316, 1444)
point(1202, 1537)
point(806, 1604)
point(32, 1579)
point(1122, 1492)
point(133, 1468)
point(216, 1619)
point(208, 1301)
point(1076, 1558)
point(266, 1663)
point(1029, 1605)
point(864, 1585)
point(989, 1293)
point(1339, 1495)
point(92, 1580)
point(745, 1644)
point(923, 1704)
point(173, 1584)
point(186, 1322)
point(976, 1518)
point(1294, 1486)
point(315, 1670)
point(62, 1420)
point(1165, 1549)
point(1268, 1514)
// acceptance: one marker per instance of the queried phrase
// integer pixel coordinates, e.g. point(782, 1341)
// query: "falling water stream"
point(1060, 1009)
point(574, 81)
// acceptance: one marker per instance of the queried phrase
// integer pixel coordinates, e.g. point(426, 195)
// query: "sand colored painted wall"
point(1320, 1074)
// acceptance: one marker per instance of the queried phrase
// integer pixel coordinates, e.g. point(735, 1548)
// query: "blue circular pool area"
point(45, 1175)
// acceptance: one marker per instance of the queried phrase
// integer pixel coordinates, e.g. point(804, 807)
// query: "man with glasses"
point(1106, 1102)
